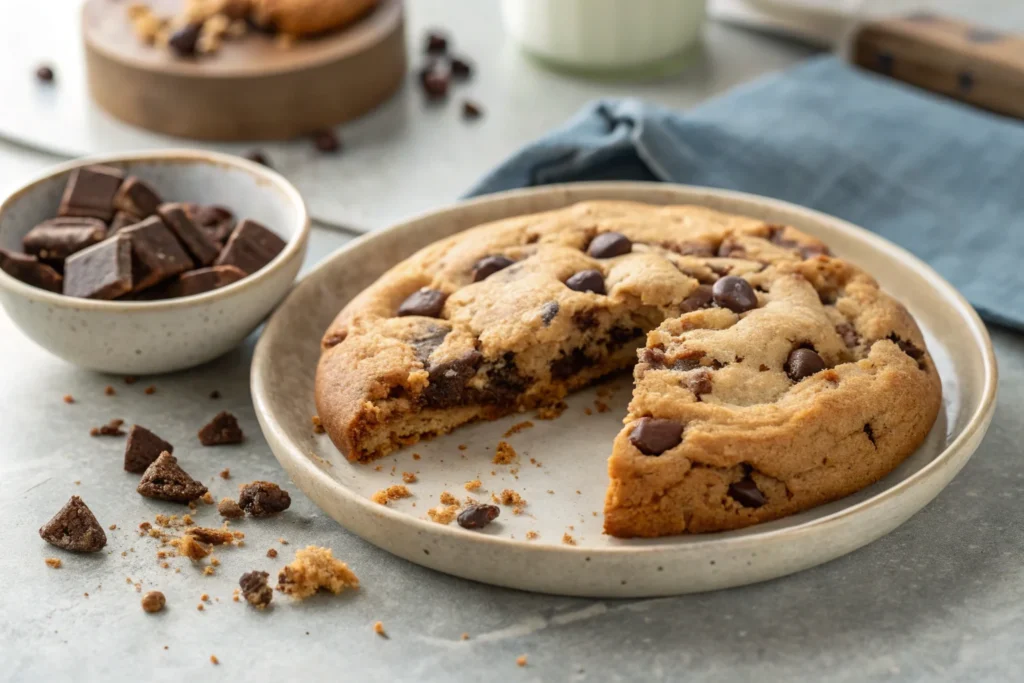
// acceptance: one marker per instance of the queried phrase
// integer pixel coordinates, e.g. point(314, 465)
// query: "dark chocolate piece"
point(250, 247)
point(734, 293)
point(137, 198)
point(165, 480)
point(45, 74)
point(489, 265)
point(654, 436)
point(57, 238)
point(478, 516)
point(74, 528)
point(90, 192)
point(263, 499)
point(222, 429)
point(216, 221)
point(461, 68)
point(436, 43)
point(142, 449)
point(803, 363)
point(471, 110)
point(158, 254)
point(425, 302)
point(435, 84)
point(586, 281)
point(200, 281)
point(255, 589)
point(609, 245)
point(120, 221)
point(102, 271)
point(746, 493)
point(326, 141)
point(29, 270)
point(184, 41)
point(202, 248)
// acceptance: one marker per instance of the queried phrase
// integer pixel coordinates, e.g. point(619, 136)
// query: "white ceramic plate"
point(571, 451)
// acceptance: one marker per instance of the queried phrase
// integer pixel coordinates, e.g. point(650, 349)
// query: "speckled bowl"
point(148, 337)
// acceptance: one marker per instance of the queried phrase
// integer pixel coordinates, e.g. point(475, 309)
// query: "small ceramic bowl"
point(148, 337)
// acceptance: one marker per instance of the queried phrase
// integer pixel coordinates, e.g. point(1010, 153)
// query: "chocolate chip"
point(489, 265)
point(734, 293)
point(326, 141)
point(460, 68)
point(424, 344)
point(849, 334)
point(223, 429)
point(29, 270)
point(585, 319)
point(102, 271)
point(263, 499)
point(446, 386)
point(257, 156)
point(609, 244)
point(45, 74)
point(158, 253)
point(200, 281)
point(183, 41)
point(436, 43)
point(700, 383)
point(137, 198)
point(907, 347)
point(746, 493)
point(250, 247)
point(548, 312)
point(654, 436)
point(165, 480)
point(255, 589)
point(142, 449)
point(570, 364)
point(478, 516)
point(424, 302)
point(701, 297)
point(586, 281)
point(870, 433)
point(201, 247)
point(435, 84)
point(803, 363)
point(74, 528)
point(471, 110)
point(90, 192)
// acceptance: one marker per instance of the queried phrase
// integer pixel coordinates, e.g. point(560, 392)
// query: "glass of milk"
point(606, 36)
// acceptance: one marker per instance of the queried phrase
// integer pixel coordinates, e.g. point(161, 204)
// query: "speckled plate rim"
point(787, 549)
point(293, 247)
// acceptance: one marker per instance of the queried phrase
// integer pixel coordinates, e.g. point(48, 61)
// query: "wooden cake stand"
point(252, 88)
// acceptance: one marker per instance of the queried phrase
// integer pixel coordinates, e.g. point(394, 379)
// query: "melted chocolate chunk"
point(447, 381)
point(504, 384)
point(803, 363)
point(746, 493)
point(654, 436)
point(548, 312)
point(609, 245)
point(489, 265)
point(700, 298)
point(424, 302)
point(586, 281)
point(907, 347)
point(734, 293)
point(74, 528)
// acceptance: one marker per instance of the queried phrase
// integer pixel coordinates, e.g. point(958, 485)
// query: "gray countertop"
point(941, 597)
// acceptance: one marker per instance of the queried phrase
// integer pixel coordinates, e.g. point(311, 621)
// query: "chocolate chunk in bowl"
point(102, 271)
point(250, 247)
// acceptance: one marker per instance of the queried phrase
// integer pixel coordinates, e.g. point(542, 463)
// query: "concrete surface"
point(940, 598)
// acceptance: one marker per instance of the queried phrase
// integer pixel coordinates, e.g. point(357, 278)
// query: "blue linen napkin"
point(942, 179)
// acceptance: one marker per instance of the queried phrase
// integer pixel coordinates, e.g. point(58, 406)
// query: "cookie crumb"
point(551, 412)
point(521, 660)
point(165, 480)
point(213, 658)
point(68, 398)
point(150, 390)
point(109, 390)
point(443, 514)
point(504, 454)
point(318, 427)
point(409, 477)
point(463, 446)
point(53, 562)
point(378, 628)
point(473, 485)
point(509, 497)
point(255, 589)
point(448, 499)
point(200, 607)
point(222, 430)
point(516, 428)
point(131, 379)
point(601, 406)
point(190, 547)
point(263, 499)
point(568, 539)
point(532, 535)
point(465, 636)
point(588, 411)
point(212, 536)
point(112, 428)
point(225, 473)
point(272, 553)
point(416, 456)
point(313, 569)
point(390, 493)
point(229, 509)
point(153, 601)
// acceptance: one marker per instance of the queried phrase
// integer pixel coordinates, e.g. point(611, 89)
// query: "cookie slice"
point(74, 528)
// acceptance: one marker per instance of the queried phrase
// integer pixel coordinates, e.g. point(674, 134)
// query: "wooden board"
point(253, 88)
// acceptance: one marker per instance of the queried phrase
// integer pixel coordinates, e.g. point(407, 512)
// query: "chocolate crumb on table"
point(112, 428)
point(109, 390)
point(150, 390)
point(74, 528)
point(225, 473)
point(532, 535)
point(478, 516)
point(272, 553)
point(255, 589)
point(313, 569)
point(229, 509)
point(504, 454)
point(222, 429)
point(68, 398)
point(131, 379)
point(521, 660)
point(45, 74)
point(142, 449)
point(471, 110)
point(153, 601)
point(390, 493)
point(165, 480)
point(263, 499)
point(53, 562)
point(378, 628)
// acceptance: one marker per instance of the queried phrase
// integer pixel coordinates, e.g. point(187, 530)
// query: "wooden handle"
point(975, 65)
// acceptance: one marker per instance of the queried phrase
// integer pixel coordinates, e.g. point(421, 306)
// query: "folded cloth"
point(942, 179)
